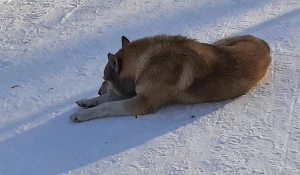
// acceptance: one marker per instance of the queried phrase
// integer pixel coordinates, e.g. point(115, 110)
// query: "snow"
point(55, 52)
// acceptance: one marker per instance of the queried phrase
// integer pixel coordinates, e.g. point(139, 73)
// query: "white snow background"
point(55, 52)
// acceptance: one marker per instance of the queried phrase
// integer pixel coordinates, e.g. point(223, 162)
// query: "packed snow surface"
point(52, 53)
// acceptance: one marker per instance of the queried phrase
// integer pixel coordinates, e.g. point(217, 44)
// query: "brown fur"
point(175, 69)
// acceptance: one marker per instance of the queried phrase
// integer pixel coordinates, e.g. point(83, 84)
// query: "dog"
point(150, 72)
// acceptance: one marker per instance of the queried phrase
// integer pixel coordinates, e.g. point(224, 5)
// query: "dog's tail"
point(229, 41)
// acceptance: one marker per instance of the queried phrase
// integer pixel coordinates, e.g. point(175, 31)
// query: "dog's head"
point(118, 73)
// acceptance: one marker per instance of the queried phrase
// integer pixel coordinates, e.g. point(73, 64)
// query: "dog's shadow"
point(60, 145)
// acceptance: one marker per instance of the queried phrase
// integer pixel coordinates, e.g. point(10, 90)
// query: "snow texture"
point(53, 53)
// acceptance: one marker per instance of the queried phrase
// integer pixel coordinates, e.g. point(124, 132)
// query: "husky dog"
point(150, 72)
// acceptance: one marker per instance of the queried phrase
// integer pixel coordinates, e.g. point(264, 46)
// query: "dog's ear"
point(113, 62)
point(125, 41)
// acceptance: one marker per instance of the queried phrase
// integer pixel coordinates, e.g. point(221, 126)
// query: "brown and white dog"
point(152, 71)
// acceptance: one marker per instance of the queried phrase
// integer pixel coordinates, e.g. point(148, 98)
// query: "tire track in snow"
point(227, 28)
point(285, 73)
point(259, 12)
point(290, 119)
point(67, 15)
point(6, 1)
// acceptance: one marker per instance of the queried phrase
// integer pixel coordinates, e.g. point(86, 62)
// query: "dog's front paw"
point(80, 116)
point(85, 103)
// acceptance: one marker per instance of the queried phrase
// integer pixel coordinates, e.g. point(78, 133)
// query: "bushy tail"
point(229, 41)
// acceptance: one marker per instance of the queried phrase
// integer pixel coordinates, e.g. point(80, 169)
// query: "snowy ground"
point(55, 52)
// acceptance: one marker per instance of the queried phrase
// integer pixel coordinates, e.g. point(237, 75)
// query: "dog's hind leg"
point(96, 101)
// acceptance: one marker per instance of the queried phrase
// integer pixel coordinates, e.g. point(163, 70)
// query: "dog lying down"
point(149, 72)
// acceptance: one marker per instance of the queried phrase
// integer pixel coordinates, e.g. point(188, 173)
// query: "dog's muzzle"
point(103, 88)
